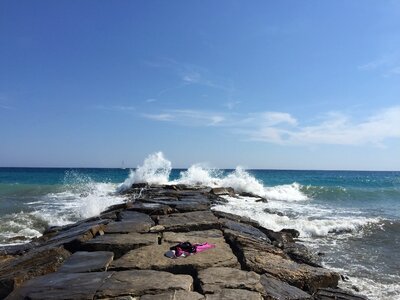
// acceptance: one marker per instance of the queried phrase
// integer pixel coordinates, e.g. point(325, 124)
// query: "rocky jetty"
point(120, 255)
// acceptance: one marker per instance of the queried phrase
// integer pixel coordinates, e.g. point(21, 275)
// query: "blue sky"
point(266, 84)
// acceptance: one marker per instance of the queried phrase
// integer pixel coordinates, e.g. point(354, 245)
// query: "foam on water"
point(80, 198)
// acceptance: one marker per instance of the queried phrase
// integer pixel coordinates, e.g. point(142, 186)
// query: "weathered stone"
point(141, 282)
point(337, 294)
point(73, 236)
point(82, 261)
point(118, 207)
point(245, 229)
point(236, 218)
point(157, 228)
point(219, 191)
point(234, 294)
point(120, 243)
point(302, 254)
point(152, 257)
point(36, 263)
point(275, 289)
point(303, 276)
point(214, 279)
point(61, 286)
point(190, 221)
point(181, 202)
point(151, 208)
point(174, 295)
point(131, 222)
point(293, 232)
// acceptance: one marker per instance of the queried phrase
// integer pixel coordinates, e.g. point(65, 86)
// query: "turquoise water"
point(353, 217)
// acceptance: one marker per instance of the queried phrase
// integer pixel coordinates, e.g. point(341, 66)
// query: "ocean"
point(352, 217)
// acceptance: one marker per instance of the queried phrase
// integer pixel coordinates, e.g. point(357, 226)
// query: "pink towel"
point(203, 247)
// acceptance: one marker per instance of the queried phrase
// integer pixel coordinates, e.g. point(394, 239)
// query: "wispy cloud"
point(188, 117)
point(333, 128)
point(122, 108)
point(387, 66)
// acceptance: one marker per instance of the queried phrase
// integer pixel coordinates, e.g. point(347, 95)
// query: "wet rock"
point(36, 263)
point(61, 286)
point(245, 229)
point(220, 191)
point(214, 279)
point(302, 254)
point(337, 294)
point(273, 212)
point(275, 289)
point(83, 261)
point(131, 221)
point(152, 257)
point(293, 232)
point(280, 239)
point(190, 221)
point(118, 207)
point(141, 282)
point(174, 295)
point(234, 294)
point(120, 244)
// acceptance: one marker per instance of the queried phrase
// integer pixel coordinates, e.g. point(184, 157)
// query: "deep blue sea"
point(353, 217)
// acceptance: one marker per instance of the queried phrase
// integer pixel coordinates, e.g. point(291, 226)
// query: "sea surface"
point(352, 217)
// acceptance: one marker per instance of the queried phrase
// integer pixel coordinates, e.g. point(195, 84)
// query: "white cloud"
point(159, 117)
point(282, 128)
point(115, 107)
point(335, 129)
point(188, 117)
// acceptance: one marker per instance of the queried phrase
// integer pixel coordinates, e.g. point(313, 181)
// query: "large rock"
point(275, 289)
point(61, 286)
point(220, 191)
point(141, 282)
point(120, 243)
point(36, 263)
point(337, 294)
point(152, 257)
point(245, 230)
point(131, 221)
point(180, 203)
point(190, 221)
point(152, 208)
point(264, 258)
point(234, 294)
point(214, 279)
point(302, 254)
point(236, 218)
point(72, 236)
point(174, 295)
point(82, 261)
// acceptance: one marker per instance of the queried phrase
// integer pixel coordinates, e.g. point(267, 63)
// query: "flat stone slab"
point(82, 261)
point(175, 295)
point(190, 221)
point(130, 221)
point(234, 294)
point(277, 290)
point(328, 294)
point(15, 272)
point(214, 279)
point(120, 244)
point(61, 286)
point(152, 257)
point(151, 208)
point(72, 236)
point(141, 282)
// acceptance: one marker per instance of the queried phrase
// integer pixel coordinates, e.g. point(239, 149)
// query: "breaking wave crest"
point(156, 169)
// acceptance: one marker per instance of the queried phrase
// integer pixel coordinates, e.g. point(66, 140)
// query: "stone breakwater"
point(120, 255)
